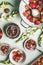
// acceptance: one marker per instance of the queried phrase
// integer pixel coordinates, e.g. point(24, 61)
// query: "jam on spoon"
point(6, 10)
point(30, 45)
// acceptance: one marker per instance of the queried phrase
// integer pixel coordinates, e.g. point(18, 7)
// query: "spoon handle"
point(26, 1)
point(39, 50)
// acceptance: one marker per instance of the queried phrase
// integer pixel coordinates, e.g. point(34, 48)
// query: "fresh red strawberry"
point(14, 57)
point(38, 63)
point(14, 53)
point(1, 34)
point(2, 48)
point(39, 8)
point(29, 17)
point(18, 58)
point(40, 2)
point(41, 59)
point(37, 22)
point(28, 11)
point(31, 0)
point(33, 6)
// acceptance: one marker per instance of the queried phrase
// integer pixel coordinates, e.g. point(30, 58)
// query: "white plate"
point(21, 10)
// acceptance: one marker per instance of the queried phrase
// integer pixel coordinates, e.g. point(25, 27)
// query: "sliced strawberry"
point(25, 14)
point(1, 34)
point(41, 59)
point(18, 58)
point(33, 5)
point(5, 51)
point(39, 8)
point(42, 16)
point(31, 0)
point(37, 22)
point(40, 2)
point(14, 57)
point(2, 48)
point(38, 63)
point(29, 17)
point(14, 53)
point(28, 11)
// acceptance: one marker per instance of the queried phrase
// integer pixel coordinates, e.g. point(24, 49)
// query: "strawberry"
point(29, 17)
point(25, 13)
point(18, 58)
point(14, 53)
point(28, 11)
point(2, 48)
point(0, 33)
point(33, 6)
point(31, 0)
point(37, 22)
point(40, 2)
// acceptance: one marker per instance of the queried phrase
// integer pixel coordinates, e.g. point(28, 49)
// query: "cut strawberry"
point(37, 22)
point(14, 57)
point(14, 53)
point(39, 8)
point(25, 14)
point(29, 17)
point(31, 0)
point(42, 16)
point(40, 2)
point(38, 63)
point(0, 33)
point(18, 58)
point(28, 11)
point(33, 6)
point(41, 59)
point(5, 51)
point(2, 48)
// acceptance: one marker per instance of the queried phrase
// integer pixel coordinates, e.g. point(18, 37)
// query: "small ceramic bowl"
point(29, 44)
point(21, 59)
point(12, 30)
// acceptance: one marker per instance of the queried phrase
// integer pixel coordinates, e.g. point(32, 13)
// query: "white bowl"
point(21, 10)
point(20, 61)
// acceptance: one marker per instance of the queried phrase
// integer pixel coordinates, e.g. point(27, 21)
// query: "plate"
point(21, 10)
